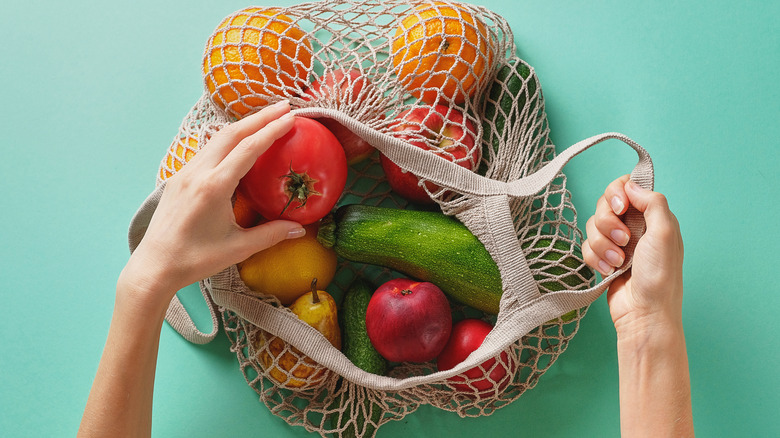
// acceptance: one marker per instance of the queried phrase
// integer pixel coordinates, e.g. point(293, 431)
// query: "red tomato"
point(300, 177)
point(467, 335)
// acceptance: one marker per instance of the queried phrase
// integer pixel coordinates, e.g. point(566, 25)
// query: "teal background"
point(93, 92)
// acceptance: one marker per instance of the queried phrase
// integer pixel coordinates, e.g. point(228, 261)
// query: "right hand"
point(193, 233)
point(651, 291)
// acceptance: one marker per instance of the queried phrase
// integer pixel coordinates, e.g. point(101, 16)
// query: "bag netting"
point(408, 56)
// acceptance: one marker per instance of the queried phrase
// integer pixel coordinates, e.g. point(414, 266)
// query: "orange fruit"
point(286, 269)
point(253, 55)
point(441, 49)
point(246, 216)
point(286, 364)
point(180, 152)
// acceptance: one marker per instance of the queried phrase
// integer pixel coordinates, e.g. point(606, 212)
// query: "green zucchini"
point(573, 275)
point(428, 246)
point(434, 247)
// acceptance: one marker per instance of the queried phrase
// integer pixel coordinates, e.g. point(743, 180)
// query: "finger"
point(231, 135)
point(594, 261)
point(251, 240)
point(609, 224)
point(238, 162)
point(615, 195)
point(653, 205)
point(603, 248)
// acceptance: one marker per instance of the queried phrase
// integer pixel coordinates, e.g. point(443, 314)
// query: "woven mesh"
point(316, 39)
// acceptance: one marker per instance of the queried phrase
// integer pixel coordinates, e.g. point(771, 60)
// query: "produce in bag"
point(517, 206)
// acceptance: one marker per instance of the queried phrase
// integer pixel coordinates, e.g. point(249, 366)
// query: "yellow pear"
point(318, 309)
point(286, 364)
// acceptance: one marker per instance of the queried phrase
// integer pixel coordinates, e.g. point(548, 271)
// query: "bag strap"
point(176, 315)
point(494, 212)
point(445, 173)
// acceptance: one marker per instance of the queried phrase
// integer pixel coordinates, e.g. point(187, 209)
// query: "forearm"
point(120, 402)
point(655, 397)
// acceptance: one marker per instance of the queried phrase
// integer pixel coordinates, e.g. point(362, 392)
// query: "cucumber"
point(358, 348)
point(356, 344)
point(428, 246)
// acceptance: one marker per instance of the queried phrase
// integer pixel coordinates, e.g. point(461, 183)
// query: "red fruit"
point(452, 137)
point(300, 177)
point(341, 90)
point(485, 379)
point(408, 321)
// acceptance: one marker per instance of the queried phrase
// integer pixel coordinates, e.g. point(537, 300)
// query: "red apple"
point(485, 379)
point(408, 321)
point(440, 129)
point(342, 90)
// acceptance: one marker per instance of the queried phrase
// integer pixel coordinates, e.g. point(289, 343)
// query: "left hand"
point(193, 233)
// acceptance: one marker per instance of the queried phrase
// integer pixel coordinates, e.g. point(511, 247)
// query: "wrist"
point(661, 314)
point(650, 332)
point(145, 286)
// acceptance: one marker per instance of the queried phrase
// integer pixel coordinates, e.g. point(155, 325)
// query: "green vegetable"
point(512, 88)
point(358, 348)
point(428, 246)
point(356, 345)
point(578, 275)
point(434, 247)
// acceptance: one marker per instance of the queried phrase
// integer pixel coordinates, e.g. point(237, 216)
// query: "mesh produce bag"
point(507, 188)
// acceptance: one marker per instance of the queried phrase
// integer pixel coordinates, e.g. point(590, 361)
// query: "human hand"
point(193, 233)
point(651, 291)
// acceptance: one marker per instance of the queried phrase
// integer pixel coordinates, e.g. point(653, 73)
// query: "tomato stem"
point(406, 292)
point(298, 186)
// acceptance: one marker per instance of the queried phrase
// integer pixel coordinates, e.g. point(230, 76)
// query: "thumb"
point(270, 233)
point(652, 205)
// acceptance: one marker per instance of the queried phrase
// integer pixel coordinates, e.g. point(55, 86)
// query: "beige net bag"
point(507, 188)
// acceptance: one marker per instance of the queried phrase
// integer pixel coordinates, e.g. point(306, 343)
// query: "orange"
point(286, 269)
point(253, 55)
point(441, 49)
point(286, 364)
point(246, 216)
point(180, 152)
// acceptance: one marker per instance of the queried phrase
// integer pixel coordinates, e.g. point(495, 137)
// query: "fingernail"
point(296, 233)
point(282, 103)
point(613, 258)
point(617, 204)
point(604, 268)
point(285, 117)
point(620, 237)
